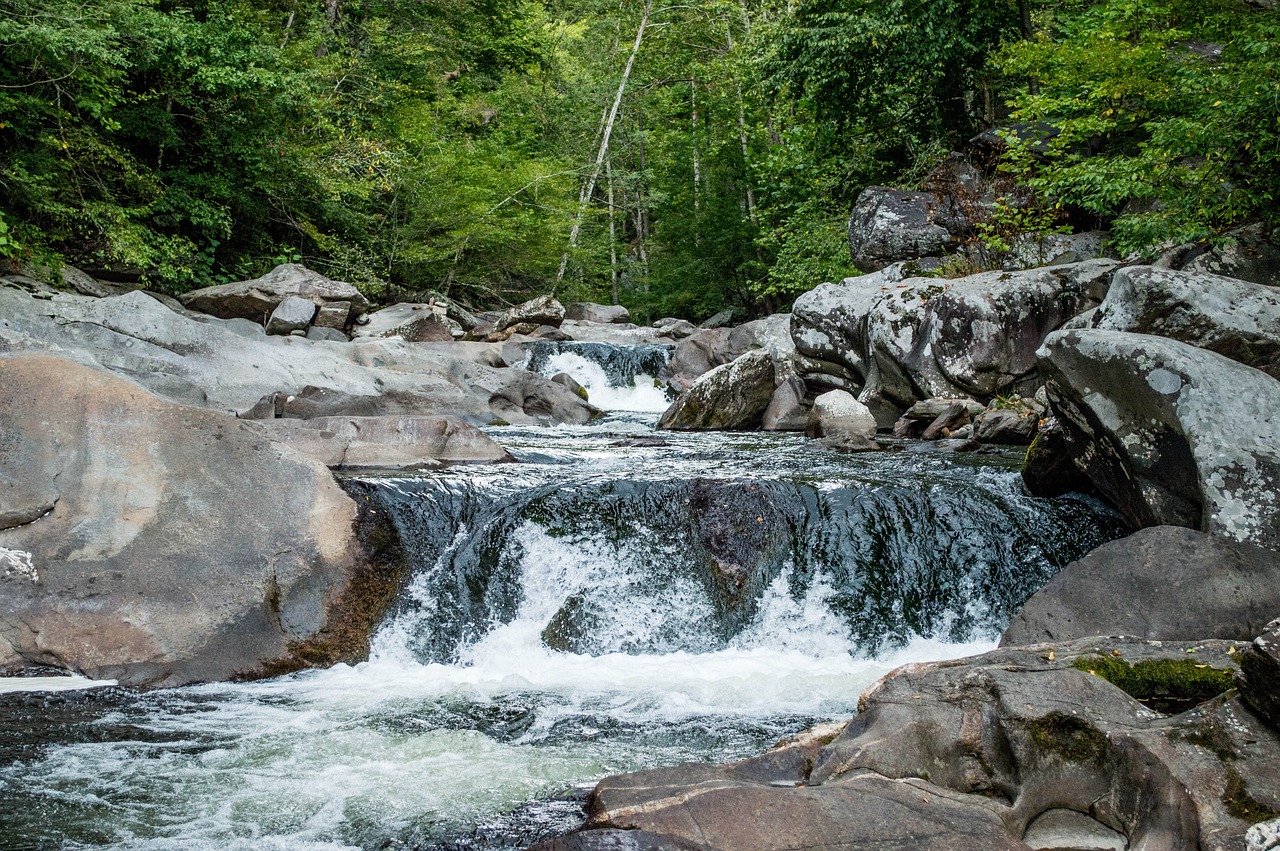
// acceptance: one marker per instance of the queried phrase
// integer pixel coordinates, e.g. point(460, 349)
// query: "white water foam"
point(12, 685)
point(643, 395)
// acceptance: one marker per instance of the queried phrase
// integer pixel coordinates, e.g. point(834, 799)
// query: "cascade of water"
point(617, 378)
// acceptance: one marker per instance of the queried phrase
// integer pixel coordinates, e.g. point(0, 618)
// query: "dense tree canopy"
point(678, 158)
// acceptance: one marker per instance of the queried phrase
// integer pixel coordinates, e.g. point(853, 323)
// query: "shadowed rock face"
point(1165, 583)
point(993, 752)
point(166, 544)
point(1168, 433)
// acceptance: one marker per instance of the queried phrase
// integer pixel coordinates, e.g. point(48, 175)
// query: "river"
point(705, 596)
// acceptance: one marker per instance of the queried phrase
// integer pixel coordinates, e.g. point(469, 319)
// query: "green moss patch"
point(1071, 738)
point(1165, 685)
point(1241, 804)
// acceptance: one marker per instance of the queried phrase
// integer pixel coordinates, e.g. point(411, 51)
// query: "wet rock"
point(256, 299)
point(1165, 583)
point(889, 225)
point(1007, 426)
point(292, 314)
point(544, 310)
point(1168, 433)
point(585, 311)
point(1259, 678)
point(1238, 319)
point(1049, 468)
point(384, 442)
point(615, 840)
point(1018, 748)
point(730, 397)
point(180, 545)
point(547, 332)
point(842, 422)
point(564, 379)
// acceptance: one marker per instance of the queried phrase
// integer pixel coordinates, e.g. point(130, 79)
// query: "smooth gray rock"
point(179, 545)
point(208, 365)
point(676, 329)
point(292, 314)
point(256, 299)
point(787, 410)
point(1006, 426)
point(586, 311)
point(730, 397)
point(1170, 434)
point(1238, 319)
point(544, 310)
point(330, 335)
point(384, 442)
point(889, 225)
point(719, 320)
point(1165, 583)
point(842, 422)
point(1055, 249)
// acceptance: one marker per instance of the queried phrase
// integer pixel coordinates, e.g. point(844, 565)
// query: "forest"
point(677, 158)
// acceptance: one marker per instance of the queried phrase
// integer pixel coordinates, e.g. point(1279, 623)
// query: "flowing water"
point(618, 599)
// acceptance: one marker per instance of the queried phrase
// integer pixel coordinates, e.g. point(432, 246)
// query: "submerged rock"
point(1168, 433)
point(167, 544)
point(1166, 583)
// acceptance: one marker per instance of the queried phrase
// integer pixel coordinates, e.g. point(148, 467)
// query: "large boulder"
point(384, 442)
point(1056, 249)
point(167, 544)
point(730, 397)
point(1165, 583)
point(1249, 253)
point(292, 314)
point(1170, 434)
point(888, 225)
point(707, 348)
point(1231, 317)
point(842, 422)
point(256, 299)
point(213, 364)
point(896, 343)
point(1019, 748)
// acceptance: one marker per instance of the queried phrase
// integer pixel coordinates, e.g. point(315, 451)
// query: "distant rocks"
point(604, 314)
point(544, 310)
point(413, 323)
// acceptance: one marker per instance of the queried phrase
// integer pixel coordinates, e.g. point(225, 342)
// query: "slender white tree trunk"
point(613, 231)
point(585, 198)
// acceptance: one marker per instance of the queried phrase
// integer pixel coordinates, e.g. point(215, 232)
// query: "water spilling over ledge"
point(616, 600)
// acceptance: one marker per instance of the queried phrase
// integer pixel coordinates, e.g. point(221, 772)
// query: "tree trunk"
point(613, 231)
point(585, 197)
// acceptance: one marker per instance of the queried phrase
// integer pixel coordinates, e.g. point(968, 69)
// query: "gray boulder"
point(842, 422)
point(676, 329)
point(718, 320)
point(787, 410)
point(1006, 426)
point(730, 397)
point(384, 442)
point(1056, 249)
point(292, 314)
point(334, 315)
point(256, 299)
point(167, 544)
point(1170, 434)
point(1165, 583)
point(1250, 254)
point(544, 310)
point(889, 225)
point(586, 311)
point(329, 335)
point(1235, 318)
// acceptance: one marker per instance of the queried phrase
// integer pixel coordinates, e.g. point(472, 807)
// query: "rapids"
point(707, 594)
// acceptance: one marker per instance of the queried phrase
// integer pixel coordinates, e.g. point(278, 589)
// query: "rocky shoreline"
point(169, 516)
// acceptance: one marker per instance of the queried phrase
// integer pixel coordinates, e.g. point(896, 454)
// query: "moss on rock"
point(1165, 685)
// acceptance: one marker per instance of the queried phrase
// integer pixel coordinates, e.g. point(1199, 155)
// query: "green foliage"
point(1153, 126)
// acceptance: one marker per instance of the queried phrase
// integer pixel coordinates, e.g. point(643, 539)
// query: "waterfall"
point(617, 378)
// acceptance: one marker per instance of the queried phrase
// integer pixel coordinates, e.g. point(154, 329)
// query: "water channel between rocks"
point(705, 596)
